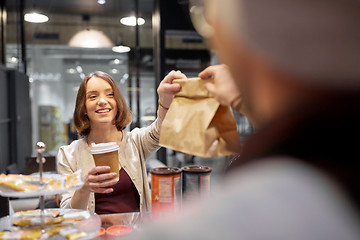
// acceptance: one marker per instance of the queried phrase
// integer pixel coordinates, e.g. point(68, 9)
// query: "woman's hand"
point(167, 88)
point(99, 180)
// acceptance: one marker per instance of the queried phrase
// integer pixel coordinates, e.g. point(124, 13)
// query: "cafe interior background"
point(43, 63)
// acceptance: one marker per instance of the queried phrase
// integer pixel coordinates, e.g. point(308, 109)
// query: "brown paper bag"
point(197, 124)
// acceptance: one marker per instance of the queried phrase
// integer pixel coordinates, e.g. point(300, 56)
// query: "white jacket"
point(135, 148)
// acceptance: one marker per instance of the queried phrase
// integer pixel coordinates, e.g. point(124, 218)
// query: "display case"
point(45, 223)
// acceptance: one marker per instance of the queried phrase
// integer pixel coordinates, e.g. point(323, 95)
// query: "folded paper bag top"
point(193, 88)
point(197, 124)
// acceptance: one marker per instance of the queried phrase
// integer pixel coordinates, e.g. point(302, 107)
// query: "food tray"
point(42, 191)
point(90, 225)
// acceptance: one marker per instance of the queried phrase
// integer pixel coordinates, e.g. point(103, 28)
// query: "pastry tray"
point(42, 191)
point(90, 225)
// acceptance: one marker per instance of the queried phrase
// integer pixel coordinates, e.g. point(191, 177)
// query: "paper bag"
point(197, 124)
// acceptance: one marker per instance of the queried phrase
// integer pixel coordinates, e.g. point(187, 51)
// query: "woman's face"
point(100, 102)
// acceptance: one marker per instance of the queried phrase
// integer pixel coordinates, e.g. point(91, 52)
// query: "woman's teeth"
point(103, 111)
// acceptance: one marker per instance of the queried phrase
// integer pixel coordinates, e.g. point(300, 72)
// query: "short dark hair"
point(81, 120)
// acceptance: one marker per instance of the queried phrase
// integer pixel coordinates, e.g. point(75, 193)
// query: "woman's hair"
point(81, 120)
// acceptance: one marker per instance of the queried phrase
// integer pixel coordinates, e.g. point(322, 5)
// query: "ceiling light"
point(117, 61)
point(79, 69)
point(121, 49)
point(35, 17)
point(71, 71)
point(90, 38)
point(14, 59)
point(130, 21)
point(101, 2)
point(114, 71)
point(124, 78)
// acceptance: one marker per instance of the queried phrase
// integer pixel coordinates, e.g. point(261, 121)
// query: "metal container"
point(195, 182)
point(165, 190)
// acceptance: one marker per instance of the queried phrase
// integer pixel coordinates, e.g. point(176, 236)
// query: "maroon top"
point(124, 198)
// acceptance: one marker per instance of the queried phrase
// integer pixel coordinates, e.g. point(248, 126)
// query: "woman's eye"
point(92, 96)
point(111, 94)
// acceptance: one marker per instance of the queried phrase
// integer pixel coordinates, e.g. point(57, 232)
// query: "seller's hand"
point(167, 88)
point(224, 88)
point(99, 180)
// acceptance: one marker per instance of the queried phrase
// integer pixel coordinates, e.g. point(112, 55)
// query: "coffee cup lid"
point(103, 147)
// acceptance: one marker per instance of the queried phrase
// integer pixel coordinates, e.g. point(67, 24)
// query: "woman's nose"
point(102, 101)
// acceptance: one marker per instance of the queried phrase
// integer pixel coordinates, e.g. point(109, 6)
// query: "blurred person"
point(296, 63)
point(101, 115)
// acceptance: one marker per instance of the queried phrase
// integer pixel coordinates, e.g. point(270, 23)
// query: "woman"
point(101, 115)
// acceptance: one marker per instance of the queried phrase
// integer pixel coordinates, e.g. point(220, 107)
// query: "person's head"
point(298, 45)
point(99, 98)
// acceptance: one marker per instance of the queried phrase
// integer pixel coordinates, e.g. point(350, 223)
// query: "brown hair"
point(81, 120)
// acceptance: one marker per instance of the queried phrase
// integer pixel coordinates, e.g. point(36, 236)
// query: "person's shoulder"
point(133, 133)
point(152, 126)
point(285, 180)
point(132, 137)
point(281, 191)
point(74, 145)
point(274, 171)
point(126, 135)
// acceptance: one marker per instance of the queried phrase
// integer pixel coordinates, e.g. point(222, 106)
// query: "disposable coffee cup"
point(106, 154)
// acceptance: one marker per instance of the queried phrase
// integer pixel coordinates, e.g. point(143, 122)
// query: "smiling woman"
point(90, 91)
point(100, 102)
point(101, 116)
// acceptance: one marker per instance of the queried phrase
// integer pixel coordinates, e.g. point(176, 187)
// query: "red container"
point(165, 190)
point(101, 234)
point(116, 231)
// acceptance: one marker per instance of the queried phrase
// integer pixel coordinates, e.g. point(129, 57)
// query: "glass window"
point(56, 69)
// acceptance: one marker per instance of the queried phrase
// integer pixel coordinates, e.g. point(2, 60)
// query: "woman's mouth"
point(103, 110)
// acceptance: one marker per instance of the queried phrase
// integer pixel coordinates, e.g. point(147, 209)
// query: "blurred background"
point(49, 46)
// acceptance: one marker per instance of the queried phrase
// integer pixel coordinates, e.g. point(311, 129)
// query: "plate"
point(6, 192)
point(90, 225)
point(42, 191)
